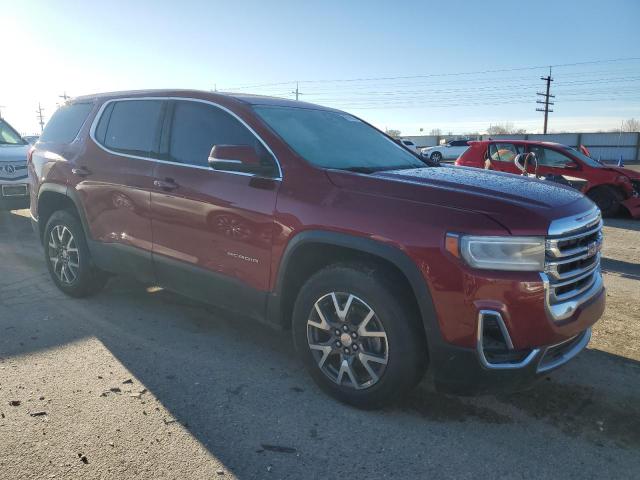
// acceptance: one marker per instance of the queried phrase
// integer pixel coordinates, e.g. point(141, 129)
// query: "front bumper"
point(468, 370)
point(464, 373)
point(632, 205)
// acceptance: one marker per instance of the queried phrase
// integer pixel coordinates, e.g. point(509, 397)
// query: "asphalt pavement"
point(137, 382)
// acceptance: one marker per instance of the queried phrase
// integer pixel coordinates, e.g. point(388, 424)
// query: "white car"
point(14, 191)
point(409, 144)
point(449, 151)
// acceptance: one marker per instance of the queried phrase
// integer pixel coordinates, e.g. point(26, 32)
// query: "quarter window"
point(131, 127)
point(503, 152)
point(66, 123)
point(197, 127)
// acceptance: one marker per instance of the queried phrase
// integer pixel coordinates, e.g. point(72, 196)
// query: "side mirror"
point(237, 158)
point(572, 166)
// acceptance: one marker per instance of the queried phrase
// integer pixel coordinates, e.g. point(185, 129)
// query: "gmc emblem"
point(592, 249)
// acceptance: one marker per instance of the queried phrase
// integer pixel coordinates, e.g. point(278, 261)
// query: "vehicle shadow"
point(621, 268)
point(625, 223)
point(236, 385)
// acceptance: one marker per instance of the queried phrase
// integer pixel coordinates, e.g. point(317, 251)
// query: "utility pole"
point(297, 91)
point(546, 101)
point(40, 117)
point(64, 96)
point(1, 107)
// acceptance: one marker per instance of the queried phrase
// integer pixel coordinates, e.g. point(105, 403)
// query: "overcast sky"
point(402, 65)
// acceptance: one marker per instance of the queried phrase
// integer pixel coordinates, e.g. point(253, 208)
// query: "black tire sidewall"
point(88, 277)
point(407, 348)
point(606, 199)
point(436, 157)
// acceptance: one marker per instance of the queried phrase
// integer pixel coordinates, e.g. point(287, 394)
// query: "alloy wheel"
point(347, 340)
point(63, 254)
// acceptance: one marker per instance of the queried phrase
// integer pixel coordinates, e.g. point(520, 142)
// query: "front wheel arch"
point(312, 250)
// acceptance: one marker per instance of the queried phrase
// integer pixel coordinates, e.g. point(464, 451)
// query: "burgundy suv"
point(309, 218)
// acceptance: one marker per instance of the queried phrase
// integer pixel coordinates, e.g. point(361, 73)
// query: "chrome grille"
point(572, 263)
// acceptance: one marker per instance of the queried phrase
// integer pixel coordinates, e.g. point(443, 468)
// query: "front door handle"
point(167, 184)
point(80, 171)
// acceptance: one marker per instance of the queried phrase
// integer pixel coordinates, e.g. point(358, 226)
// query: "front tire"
point(436, 157)
point(358, 336)
point(68, 258)
point(607, 199)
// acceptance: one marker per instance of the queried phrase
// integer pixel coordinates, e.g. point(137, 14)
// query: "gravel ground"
point(142, 383)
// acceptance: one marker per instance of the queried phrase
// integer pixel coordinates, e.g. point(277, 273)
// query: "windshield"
point(336, 140)
point(588, 160)
point(8, 136)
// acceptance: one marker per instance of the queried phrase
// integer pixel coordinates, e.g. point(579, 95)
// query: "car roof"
point(227, 97)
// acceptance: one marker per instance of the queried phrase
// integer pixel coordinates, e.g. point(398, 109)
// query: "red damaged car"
point(611, 188)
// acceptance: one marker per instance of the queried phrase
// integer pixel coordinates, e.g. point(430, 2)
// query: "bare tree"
point(631, 125)
point(436, 132)
point(506, 128)
point(392, 133)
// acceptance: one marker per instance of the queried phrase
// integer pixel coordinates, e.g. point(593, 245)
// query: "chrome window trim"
point(98, 116)
point(480, 349)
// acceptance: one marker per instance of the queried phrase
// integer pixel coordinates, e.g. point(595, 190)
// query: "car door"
point(501, 155)
point(115, 182)
point(553, 162)
point(212, 229)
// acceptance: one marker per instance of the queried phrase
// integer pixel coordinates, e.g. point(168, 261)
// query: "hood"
point(14, 153)
point(483, 183)
point(627, 172)
point(524, 206)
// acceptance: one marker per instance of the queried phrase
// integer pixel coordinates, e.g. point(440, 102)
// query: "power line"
point(431, 75)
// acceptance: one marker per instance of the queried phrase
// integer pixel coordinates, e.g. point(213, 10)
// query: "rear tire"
point(68, 257)
point(607, 199)
point(387, 354)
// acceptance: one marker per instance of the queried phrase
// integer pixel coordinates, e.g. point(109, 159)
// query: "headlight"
point(499, 253)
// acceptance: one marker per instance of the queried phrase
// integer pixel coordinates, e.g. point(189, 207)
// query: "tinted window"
point(503, 152)
point(197, 127)
point(336, 140)
point(550, 158)
point(459, 143)
point(101, 129)
point(66, 123)
point(134, 126)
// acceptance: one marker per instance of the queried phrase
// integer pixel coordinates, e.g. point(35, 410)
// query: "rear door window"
point(64, 125)
point(131, 127)
point(503, 152)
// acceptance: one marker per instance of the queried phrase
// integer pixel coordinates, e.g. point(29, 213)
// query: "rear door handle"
point(80, 171)
point(167, 184)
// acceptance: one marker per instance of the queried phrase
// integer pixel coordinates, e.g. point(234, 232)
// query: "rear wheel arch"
point(55, 197)
point(311, 251)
